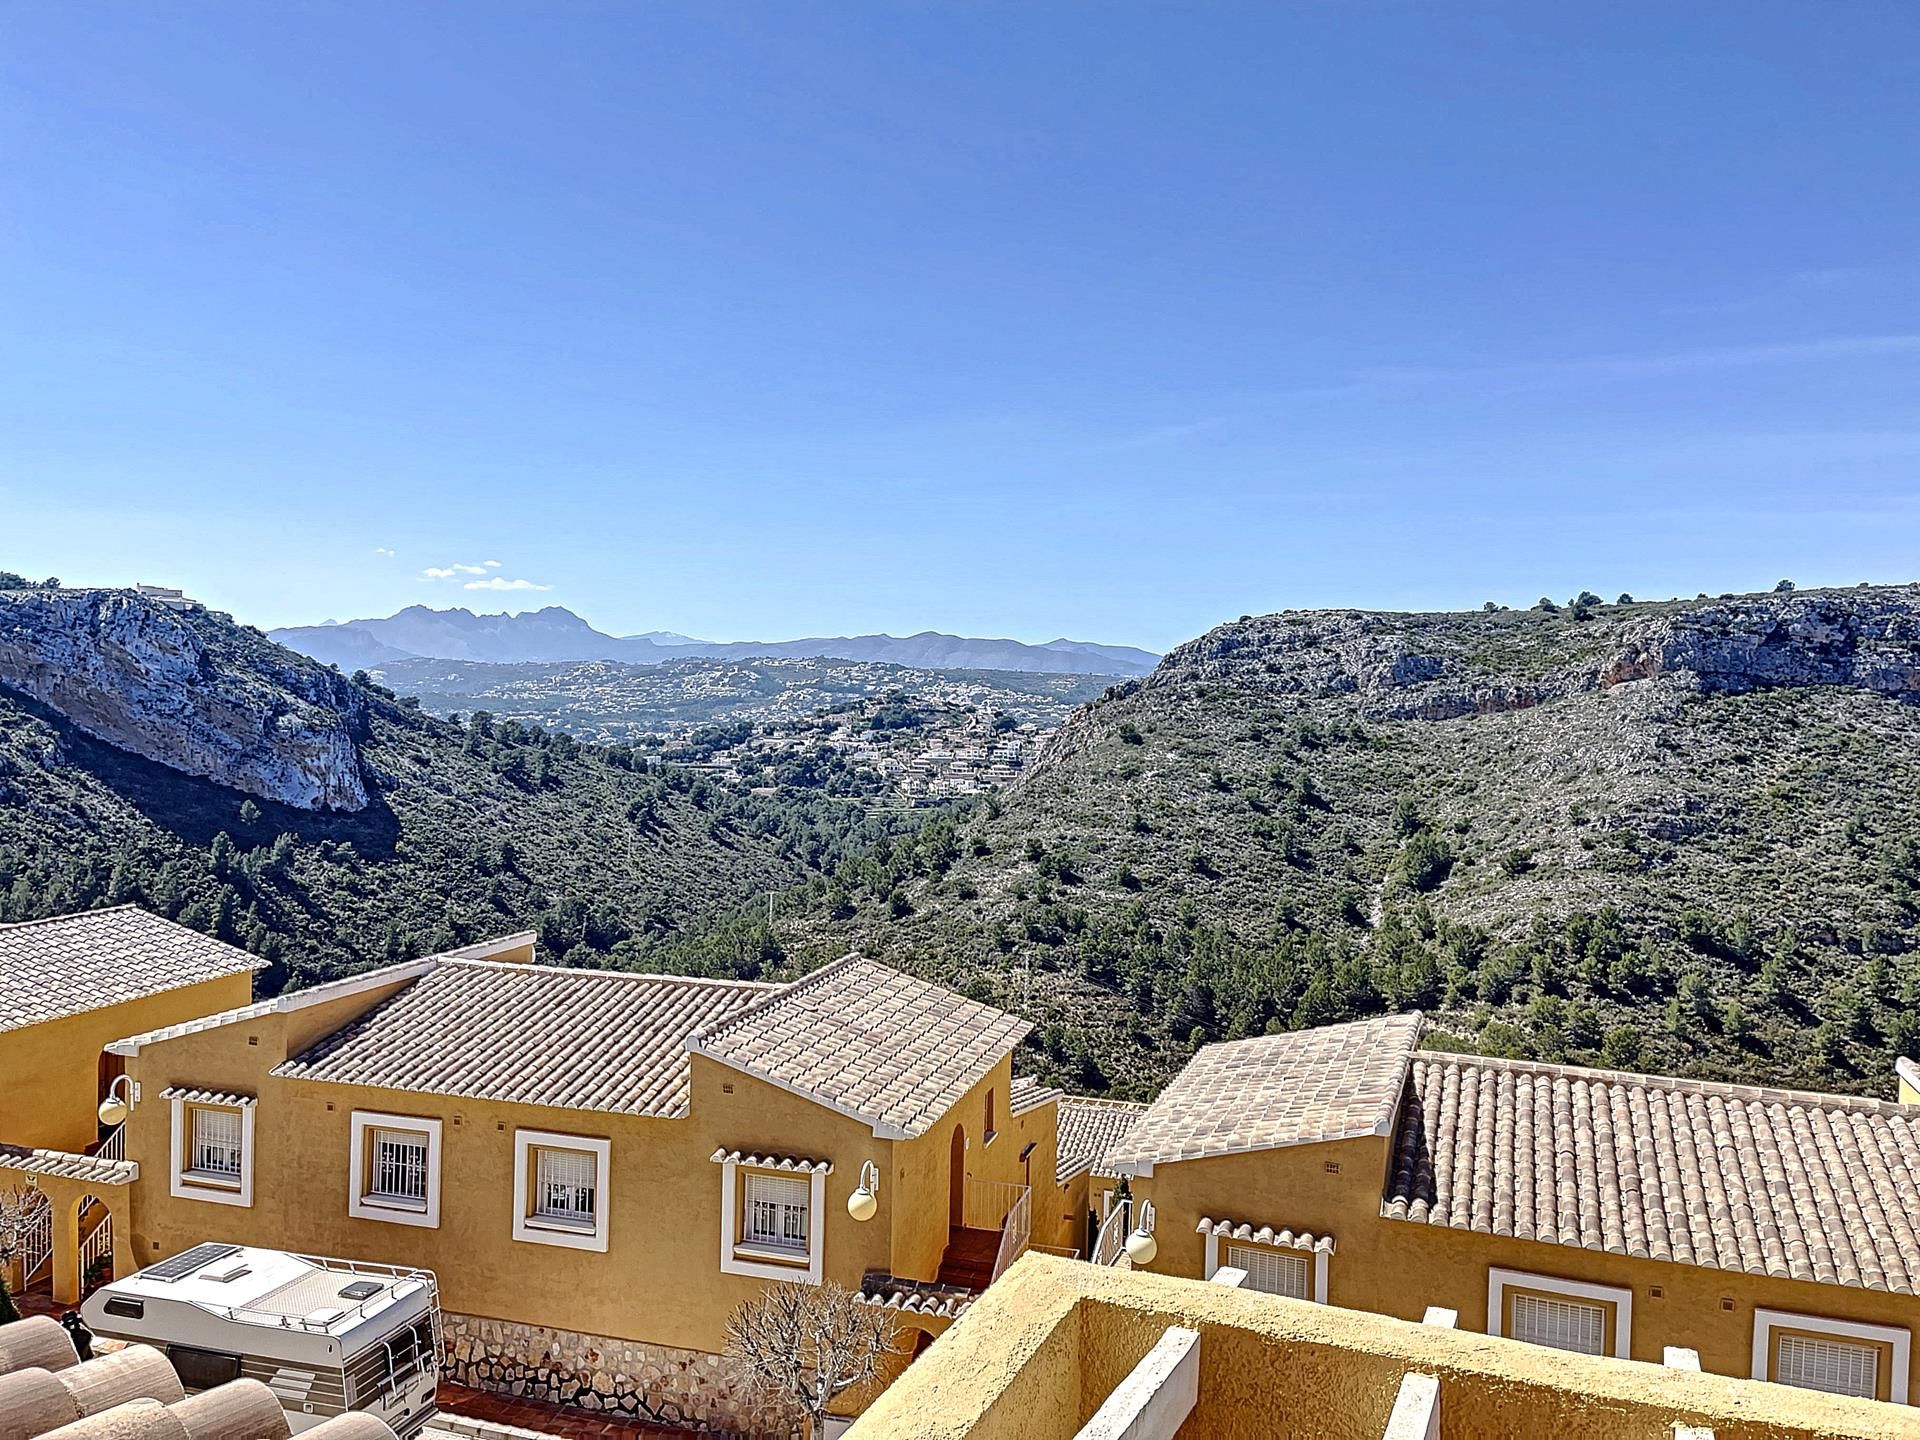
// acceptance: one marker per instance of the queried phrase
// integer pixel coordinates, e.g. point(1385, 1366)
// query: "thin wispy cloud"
point(500, 582)
point(455, 571)
point(1669, 362)
point(383, 552)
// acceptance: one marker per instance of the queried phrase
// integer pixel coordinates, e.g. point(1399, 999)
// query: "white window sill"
point(211, 1179)
point(405, 1203)
point(779, 1254)
point(563, 1224)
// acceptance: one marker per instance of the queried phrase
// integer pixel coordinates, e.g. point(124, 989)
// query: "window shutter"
point(777, 1209)
point(216, 1141)
point(1561, 1324)
point(1840, 1367)
point(565, 1183)
point(400, 1164)
point(1271, 1271)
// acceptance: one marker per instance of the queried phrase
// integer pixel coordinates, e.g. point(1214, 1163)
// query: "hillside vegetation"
point(1679, 836)
point(459, 832)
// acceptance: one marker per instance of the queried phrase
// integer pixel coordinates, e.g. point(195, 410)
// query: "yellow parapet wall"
point(1037, 1355)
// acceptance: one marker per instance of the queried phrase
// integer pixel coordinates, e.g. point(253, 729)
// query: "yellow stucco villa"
point(600, 1166)
point(68, 986)
point(1774, 1234)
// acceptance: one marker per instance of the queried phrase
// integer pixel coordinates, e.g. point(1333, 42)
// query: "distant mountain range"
point(556, 634)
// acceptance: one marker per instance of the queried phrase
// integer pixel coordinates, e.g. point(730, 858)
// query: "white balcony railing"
point(988, 1203)
point(36, 1243)
point(99, 1242)
point(1015, 1234)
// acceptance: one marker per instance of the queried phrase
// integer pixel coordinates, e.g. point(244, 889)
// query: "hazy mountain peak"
point(555, 633)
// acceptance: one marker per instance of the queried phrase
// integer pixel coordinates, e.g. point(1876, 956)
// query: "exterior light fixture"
point(863, 1202)
point(1141, 1246)
point(115, 1109)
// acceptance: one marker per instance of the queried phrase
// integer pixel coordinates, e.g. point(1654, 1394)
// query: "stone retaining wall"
point(628, 1378)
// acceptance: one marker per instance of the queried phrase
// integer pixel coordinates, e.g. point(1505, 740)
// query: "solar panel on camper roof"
point(188, 1261)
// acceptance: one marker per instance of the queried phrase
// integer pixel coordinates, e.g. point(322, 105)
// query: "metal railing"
point(99, 1242)
point(36, 1243)
point(398, 1274)
point(987, 1203)
point(114, 1147)
point(1111, 1243)
point(1015, 1234)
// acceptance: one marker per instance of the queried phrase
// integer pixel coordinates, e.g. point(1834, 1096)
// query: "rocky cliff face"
point(179, 688)
point(1441, 667)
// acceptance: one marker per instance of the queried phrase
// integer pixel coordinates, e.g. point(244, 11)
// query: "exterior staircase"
point(970, 1257)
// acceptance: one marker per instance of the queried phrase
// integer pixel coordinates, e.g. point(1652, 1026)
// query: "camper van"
point(326, 1336)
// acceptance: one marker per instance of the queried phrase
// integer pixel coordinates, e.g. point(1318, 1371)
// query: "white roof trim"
point(206, 1097)
point(295, 1000)
point(1265, 1235)
point(1908, 1070)
point(724, 1156)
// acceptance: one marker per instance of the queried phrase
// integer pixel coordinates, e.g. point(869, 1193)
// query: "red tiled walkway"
point(561, 1421)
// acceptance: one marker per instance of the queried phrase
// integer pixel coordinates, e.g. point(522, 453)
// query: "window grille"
point(216, 1141)
point(400, 1165)
point(1840, 1367)
point(777, 1210)
point(1560, 1324)
point(565, 1184)
point(1273, 1272)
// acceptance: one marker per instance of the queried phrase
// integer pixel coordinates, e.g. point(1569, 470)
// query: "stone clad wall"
point(686, 1388)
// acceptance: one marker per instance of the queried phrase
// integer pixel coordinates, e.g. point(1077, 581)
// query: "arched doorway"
point(957, 1180)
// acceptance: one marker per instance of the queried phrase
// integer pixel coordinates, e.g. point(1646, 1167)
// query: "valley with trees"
point(1601, 833)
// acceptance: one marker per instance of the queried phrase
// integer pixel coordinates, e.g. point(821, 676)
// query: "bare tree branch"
point(806, 1344)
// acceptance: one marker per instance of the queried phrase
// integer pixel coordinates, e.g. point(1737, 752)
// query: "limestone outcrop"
point(189, 691)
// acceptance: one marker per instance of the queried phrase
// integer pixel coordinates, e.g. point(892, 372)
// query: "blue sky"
point(1114, 320)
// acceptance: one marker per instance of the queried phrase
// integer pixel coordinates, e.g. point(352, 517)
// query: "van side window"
point(127, 1307)
point(203, 1369)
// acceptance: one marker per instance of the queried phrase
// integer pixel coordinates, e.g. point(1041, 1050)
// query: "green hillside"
point(1683, 836)
point(469, 831)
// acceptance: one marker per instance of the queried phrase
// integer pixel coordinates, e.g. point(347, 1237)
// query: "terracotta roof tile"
point(869, 1041)
point(531, 1034)
point(1264, 1234)
point(1089, 1128)
point(75, 963)
point(923, 1297)
point(65, 1165)
point(1027, 1093)
point(1732, 1177)
point(1335, 1082)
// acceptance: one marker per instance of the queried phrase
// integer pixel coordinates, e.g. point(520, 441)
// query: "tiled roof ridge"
point(811, 980)
point(535, 967)
point(1104, 1102)
point(1679, 1084)
point(82, 915)
point(285, 1000)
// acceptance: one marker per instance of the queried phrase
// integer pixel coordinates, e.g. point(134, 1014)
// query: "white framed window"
point(777, 1211)
point(212, 1144)
point(1560, 1314)
point(772, 1221)
point(1278, 1270)
point(1559, 1324)
point(399, 1167)
point(560, 1189)
point(394, 1169)
point(1275, 1271)
point(216, 1146)
point(1841, 1357)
